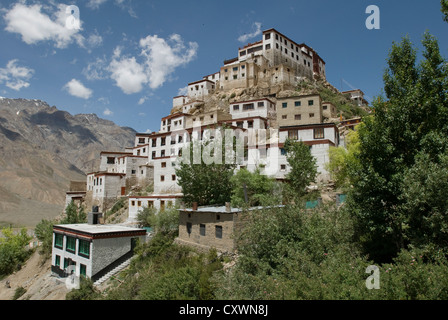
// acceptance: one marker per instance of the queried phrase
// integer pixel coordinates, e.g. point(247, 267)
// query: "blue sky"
point(131, 57)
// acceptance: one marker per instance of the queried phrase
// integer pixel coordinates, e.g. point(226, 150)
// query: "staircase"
point(113, 272)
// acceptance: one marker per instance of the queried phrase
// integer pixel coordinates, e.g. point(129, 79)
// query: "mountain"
point(42, 149)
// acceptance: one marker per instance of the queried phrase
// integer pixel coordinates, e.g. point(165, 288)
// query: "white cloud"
point(96, 70)
point(77, 89)
point(142, 100)
point(35, 26)
point(95, 40)
point(182, 91)
point(107, 112)
point(14, 76)
point(164, 56)
point(95, 4)
point(253, 34)
point(128, 74)
point(160, 58)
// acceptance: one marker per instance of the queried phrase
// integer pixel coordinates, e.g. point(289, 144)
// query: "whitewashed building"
point(92, 250)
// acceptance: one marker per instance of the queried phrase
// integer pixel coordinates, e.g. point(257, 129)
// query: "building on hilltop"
point(262, 121)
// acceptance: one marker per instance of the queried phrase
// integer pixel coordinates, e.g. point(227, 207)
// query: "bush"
point(13, 251)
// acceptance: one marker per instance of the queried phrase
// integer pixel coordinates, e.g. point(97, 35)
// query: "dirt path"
point(36, 278)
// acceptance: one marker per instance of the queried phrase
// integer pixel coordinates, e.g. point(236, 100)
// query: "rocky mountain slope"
point(41, 150)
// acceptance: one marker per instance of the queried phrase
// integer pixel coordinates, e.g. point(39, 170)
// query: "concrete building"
point(329, 110)
point(358, 96)
point(159, 202)
point(92, 250)
point(319, 137)
point(211, 227)
point(272, 61)
point(299, 110)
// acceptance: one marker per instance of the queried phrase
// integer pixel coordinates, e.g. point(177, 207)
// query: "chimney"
point(94, 216)
point(228, 207)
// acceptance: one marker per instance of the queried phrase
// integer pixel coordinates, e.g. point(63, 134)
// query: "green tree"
point(410, 120)
point(74, 215)
point(44, 233)
point(344, 161)
point(444, 9)
point(13, 251)
point(303, 167)
point(205, 183)
point(259, 189)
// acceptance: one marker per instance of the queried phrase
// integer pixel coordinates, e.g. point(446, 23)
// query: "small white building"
point(92, 250)
point(200, 89)
point(159, 202)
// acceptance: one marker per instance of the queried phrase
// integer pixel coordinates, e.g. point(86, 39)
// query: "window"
point(202, 230)
point(310, 102)
point(133, 172)
point(83, 270)
point(84, 248)
point(283, 167)
point(141, 140)
point(173, 177)
point(162, 153)
point(110, 160)
point(250, 124)
point(284, 104)
point(139, 203)
point(284, 117)
point(154, 143)
point(242, 53)
point(267, 47)
point(163, 164)
point(283, 151)
point(324, 107)
point(311, 115)
point(218, 232)
point(162, 141)
point(71, 244)
point(189, 228)
point(297, 103)
point(218, 217)
point(133, 203)
point(239, 124)
point(248, 106)
point(235, 77)
point(58, 240)
point(319, 133)
point(180, 139)
point(153, 154)
point(57, 261)
point(235, 69)
point(267, 36)
point(260, 104)
point(297, 117)
point(162, 178)
point(236, 107)
point(293, 134)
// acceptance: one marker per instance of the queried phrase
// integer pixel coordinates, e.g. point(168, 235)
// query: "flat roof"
point(222, 209)
point(97, 229)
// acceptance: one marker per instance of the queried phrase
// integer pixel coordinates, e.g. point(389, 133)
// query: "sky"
point(125, 60)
